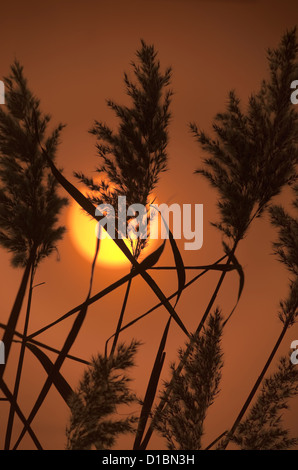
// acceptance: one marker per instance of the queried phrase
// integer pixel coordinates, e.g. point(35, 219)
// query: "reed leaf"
point(178, 260)
point(10, 398)
point(206, 269)
point(240, 271)
point(151, 388)
point(124, 279)
point(15, 313)
point(45, 346)
point(59, 381)
point(150, 261)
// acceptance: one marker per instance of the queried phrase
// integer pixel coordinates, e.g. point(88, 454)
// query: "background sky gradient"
point(74, 55)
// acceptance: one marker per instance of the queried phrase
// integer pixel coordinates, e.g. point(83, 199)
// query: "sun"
point(83, 236)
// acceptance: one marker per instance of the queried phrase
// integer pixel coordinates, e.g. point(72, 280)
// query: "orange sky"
point(74, 55)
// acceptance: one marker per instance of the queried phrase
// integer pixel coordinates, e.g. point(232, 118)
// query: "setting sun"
point(83, 235)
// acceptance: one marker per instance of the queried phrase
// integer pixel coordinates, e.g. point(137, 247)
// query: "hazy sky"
point(74, 55)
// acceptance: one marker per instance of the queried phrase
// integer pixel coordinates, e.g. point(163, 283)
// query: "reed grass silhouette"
point(29, 203)
point(252, 157)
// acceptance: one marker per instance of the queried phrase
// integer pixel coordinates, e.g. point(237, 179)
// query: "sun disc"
point(83, 236)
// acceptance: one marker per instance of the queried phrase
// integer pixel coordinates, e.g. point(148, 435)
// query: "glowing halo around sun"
point(83, 235)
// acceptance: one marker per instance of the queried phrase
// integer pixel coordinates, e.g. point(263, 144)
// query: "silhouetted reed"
point(103, 389)
point(251, 158)
point(29, 203)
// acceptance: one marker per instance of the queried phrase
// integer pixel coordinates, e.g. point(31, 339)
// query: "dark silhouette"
point(29, 203)
point(133, 158)
point(252, 157)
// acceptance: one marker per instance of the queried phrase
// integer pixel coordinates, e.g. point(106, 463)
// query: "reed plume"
point(95, 404)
